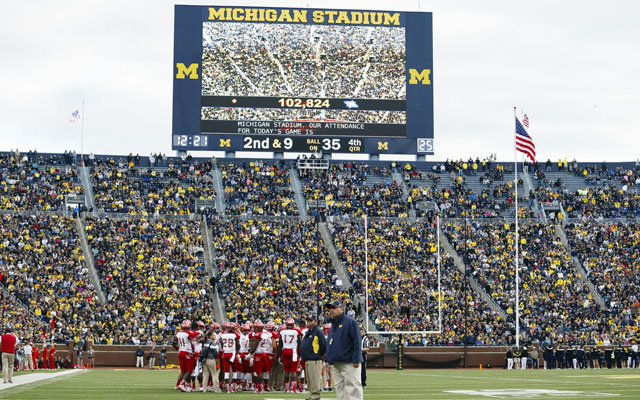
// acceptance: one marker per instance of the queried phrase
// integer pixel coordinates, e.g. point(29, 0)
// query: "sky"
point(572, 66)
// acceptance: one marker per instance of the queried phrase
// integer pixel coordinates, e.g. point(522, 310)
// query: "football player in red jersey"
point(243, 357)
point(271, 357)
point(260, 342)
point(182, 343)
point(289, 348)
point(52, 352)
point(196, 344)
point(45, 356)
point(229, 344)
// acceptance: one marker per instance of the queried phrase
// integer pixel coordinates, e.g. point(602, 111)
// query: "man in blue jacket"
point(312, 351)
point(344, 353)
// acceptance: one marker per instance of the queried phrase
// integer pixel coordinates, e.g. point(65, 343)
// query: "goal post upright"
point(439, 274)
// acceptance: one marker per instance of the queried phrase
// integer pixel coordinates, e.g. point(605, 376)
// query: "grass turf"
point(382, 384)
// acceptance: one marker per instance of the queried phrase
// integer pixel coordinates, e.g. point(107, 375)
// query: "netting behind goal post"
point(415, 292)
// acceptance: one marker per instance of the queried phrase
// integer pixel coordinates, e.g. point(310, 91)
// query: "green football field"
point(382, 384)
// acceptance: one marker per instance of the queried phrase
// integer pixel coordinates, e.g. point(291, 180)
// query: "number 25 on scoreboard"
point(425, 145)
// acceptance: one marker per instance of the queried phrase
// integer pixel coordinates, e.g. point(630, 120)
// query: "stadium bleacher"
point(148, 248)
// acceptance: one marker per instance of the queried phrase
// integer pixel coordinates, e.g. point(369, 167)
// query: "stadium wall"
point(439, 357)
point(379, 357)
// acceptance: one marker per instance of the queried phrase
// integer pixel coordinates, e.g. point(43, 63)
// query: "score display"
point(302, 80)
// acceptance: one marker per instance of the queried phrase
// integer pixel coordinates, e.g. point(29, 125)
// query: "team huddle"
point(245, 354)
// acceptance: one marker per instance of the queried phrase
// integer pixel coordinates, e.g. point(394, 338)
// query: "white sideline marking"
point(30, 378)
point(529, 393)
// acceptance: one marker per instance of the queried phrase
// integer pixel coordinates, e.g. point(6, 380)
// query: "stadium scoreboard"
point(302, 80)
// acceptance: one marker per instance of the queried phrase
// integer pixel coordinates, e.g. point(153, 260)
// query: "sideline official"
point(312, 351)
point(365, 351)
point(344, 353)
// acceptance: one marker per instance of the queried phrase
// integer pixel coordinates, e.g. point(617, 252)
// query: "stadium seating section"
point(165, 238)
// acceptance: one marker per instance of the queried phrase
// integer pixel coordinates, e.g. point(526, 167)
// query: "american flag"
point(524, 143)
point(75, 116)
point(525, 121)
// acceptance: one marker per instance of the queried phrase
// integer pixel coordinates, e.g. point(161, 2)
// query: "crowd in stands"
point(258, 188)
point(42, 257)
point(273, 265)
point(604, 192)
point(403, 282)
point(151, 275)
point(33, 182)
point(122, 187)
point(273, 269)
point(14, 316)
point(554, 300)
point(448, 186)
point(609, 254)
point(344, 189)
point(602, 202)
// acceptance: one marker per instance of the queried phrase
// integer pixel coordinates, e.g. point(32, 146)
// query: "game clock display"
point(197, 141)
point(245, 75)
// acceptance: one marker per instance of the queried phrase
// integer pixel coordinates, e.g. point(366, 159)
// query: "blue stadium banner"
point(302, 78)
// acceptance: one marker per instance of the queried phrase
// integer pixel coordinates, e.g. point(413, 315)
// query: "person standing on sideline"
point(524, 355)
point(81, 348)
point(312, 351)
point(90, 355)
point(344, 353)
point(209, 355)
point(8, 346)
point(28, 356)
point(139, 357)
point(163, 357)
point(365, 350)
point(52, 359)
point(516, 358)
point(44, 356)
point(20, 358)
point(534, 357)
point(152, 357)
point(509, 358)
point(36, 356)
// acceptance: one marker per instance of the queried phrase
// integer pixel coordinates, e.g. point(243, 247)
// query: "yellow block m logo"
point(422, 76)
point(191, 71)
point(383, 145)
point(225, 142)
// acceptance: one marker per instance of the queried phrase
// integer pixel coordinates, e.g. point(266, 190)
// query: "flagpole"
point(366, 275)
point(82, 136)
point(439, 288)
point(515, 170)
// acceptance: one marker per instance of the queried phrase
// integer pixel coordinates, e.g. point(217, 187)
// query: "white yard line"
point(35, 377)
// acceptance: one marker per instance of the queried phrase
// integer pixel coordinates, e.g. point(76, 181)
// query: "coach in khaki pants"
point(344, 353)
point(312, 351)
point(209, 369)
point(8, 346)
